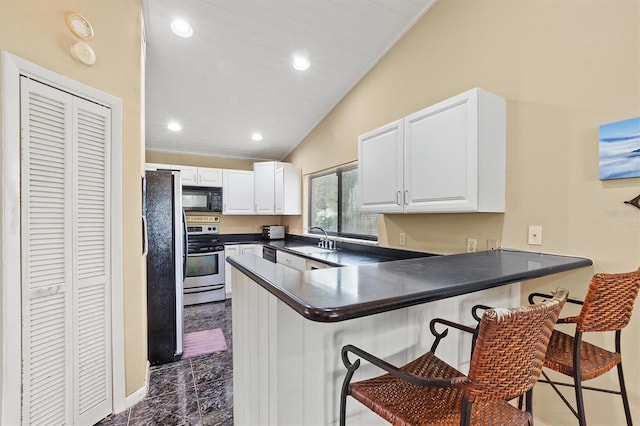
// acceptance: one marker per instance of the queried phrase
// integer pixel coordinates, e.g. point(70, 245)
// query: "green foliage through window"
point(333, 205)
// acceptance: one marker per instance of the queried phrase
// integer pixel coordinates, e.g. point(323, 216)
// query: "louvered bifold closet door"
point(91, 273)
point(66, 346)
point(46, 254)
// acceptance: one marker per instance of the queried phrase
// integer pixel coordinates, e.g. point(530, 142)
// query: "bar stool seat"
point(606, 308)
point(392, 398)
point(594, 360)
point(509, 348)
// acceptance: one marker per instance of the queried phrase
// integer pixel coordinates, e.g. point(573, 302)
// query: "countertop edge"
point(357, 310)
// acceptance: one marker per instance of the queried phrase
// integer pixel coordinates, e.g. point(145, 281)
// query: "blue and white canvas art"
point(620, 149)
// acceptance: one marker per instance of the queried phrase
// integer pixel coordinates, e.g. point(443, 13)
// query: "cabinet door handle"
point(406, 197)
point(398, 196)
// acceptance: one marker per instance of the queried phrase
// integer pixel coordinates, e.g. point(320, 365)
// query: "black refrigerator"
point(166, 259)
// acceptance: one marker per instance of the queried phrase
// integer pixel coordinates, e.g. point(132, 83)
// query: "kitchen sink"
point(310, 249)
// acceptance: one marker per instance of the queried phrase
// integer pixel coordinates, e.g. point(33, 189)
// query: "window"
point(333, 205)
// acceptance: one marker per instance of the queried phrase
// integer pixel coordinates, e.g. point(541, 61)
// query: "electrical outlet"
point(492, 244)
point(472, 245)
point(535, 235)
point(403, 239)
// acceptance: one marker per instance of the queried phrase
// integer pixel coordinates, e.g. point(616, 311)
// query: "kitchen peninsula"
point(289, 326)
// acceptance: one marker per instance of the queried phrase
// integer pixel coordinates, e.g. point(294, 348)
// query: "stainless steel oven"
point(204, 276)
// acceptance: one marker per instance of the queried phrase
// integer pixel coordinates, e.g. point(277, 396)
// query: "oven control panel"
point(202, 229)
point(202, 219)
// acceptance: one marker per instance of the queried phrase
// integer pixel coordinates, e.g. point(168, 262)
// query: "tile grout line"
point(195, 388)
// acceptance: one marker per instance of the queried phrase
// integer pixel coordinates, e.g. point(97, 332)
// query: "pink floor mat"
point(203, 343)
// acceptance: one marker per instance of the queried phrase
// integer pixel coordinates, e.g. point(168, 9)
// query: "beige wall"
point(228, 224)
point(565, 67)
point(35, 30)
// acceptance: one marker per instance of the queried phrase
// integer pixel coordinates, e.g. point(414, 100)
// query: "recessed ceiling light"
point(181, 28)
point(174, 126)
point(256, 137)
point(300, 63)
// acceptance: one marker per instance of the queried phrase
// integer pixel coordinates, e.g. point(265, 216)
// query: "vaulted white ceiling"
point(234, 76)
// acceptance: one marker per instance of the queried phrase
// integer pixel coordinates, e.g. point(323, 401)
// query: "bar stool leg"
point(577, 379)
point(625, 398)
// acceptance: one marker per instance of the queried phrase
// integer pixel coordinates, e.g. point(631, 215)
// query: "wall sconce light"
point(81, 28)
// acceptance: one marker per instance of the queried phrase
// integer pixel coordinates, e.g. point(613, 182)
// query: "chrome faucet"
point(325, 243)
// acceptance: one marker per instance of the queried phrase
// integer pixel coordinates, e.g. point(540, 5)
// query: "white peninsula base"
point(287, 369)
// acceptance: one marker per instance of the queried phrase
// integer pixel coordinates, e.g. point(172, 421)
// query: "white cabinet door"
point(209, 177)
point(380, 169)
point(229, 250)
point(188, 175)
point(237, 192)
point(452, 159)
point(441, 157)
point(248, 249)
point(233, 250)
point(288, 190)
point(455, 155)
point(264, 174)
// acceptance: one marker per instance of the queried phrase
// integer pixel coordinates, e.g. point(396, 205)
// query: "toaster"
point(273, 232)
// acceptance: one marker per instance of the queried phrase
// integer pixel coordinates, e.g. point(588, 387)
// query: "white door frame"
point(10, 293)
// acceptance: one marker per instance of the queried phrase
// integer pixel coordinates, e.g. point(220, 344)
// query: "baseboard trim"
point(140, 394)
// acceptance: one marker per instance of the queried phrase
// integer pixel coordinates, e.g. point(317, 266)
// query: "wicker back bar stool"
point(509, 350)
point(607, 307)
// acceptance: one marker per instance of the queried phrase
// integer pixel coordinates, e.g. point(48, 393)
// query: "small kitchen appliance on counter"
point(273, 232)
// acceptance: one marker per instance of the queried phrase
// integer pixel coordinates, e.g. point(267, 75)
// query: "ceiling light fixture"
point(256, 137)
point(301, 63)
point(174, 126)
point(181, 28)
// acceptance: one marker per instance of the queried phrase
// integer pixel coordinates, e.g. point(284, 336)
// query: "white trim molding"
point(11, 68)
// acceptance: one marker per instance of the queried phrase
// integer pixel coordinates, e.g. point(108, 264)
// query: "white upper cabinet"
point(288, 190)
point(238, 192)
point(209, 177)
point(449, 157)
point(190, 175)
point(380, 169)
point(278, 188)
point(264, 175)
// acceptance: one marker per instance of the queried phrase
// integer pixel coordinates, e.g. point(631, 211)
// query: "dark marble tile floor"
point(196, 391)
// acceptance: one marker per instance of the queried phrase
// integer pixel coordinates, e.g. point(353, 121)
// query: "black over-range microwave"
point(201, 199)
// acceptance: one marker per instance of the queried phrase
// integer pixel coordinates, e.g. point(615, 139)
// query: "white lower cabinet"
point(298, 263)
point(287, 370)
point(449, 157)
point(234, 250)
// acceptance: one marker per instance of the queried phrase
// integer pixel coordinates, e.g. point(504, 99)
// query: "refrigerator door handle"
point(185, 239)
point(145, 236)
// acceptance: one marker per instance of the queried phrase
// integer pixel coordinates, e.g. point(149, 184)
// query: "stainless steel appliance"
point(204, 280)
point(166, 261)
point(269, 253)
point(202, 199)
point(273, 232)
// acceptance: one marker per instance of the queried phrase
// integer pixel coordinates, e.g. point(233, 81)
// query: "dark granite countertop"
point(337, 294)
point(348, 254)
